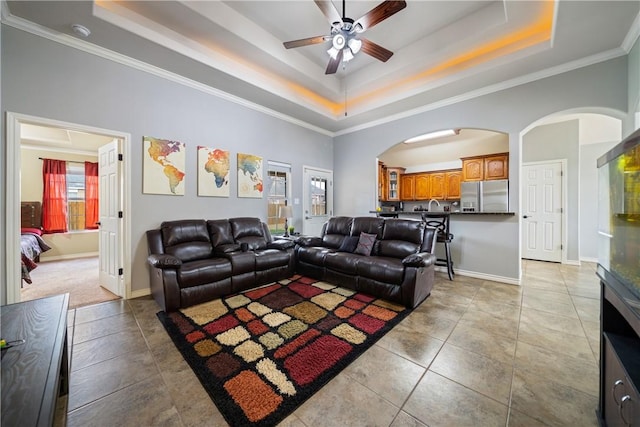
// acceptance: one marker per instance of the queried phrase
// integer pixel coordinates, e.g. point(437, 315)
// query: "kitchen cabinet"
point(485, 168)
point(382, 182)
point(407, 187)
point(496, 167)
point(452, 181)
point(422, 187)
point(393, 184)
point(437, 186)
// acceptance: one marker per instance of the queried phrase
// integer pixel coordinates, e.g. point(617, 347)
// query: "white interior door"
point(317, 206)
point(542, 211)
point(110, 217)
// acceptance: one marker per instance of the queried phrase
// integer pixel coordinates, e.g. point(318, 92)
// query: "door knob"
point(525, 216)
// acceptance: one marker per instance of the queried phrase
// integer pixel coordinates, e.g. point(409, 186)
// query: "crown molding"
point(632, 35)
point(507, 84)
point(67, 40)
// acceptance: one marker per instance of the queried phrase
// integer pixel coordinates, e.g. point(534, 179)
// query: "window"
point(75, 196)
point(70, 199)
point(279, 192)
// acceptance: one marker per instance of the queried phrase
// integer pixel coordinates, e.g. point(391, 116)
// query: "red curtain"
point(91, 214)
point(54, 199)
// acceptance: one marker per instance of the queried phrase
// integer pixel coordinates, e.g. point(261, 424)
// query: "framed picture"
point(163, 166)
point(249, 176)
point(213, 172)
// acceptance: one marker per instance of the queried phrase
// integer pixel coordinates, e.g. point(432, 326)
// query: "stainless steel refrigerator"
point(485, 196)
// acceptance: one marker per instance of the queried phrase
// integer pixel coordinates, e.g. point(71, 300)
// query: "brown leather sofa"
point(194, 261)
point(399, 268)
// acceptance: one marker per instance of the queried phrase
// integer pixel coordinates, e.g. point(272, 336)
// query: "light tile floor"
point(475, 353)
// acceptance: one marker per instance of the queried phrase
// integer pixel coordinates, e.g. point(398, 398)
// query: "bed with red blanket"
point(31, 246)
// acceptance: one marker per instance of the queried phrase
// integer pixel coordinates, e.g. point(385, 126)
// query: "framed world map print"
point(213, 172)
point(163, 166)
point(249, 176)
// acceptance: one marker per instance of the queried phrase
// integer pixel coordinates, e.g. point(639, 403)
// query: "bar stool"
point(441, 223)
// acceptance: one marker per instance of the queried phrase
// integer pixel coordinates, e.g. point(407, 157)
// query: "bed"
point(31, 242)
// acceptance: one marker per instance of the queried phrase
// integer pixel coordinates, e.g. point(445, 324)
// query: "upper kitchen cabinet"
point(394, 185)
point(485, 168)
point(496, 166)
point(423, 186)
point(407, 187)
point(382, 182)
point(452, 181)
point(438, 190)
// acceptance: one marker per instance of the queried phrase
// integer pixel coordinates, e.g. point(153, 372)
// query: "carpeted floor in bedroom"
point(78, 277)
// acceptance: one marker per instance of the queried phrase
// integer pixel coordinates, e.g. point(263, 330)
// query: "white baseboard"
point(483, 276)
point(70, 256)
point(589, 259)
point(572, 262)
point(140, 293)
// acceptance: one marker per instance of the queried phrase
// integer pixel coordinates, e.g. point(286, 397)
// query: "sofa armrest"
point(421, 259)
point(281, 244)
point(309, 241)
point(163, 261)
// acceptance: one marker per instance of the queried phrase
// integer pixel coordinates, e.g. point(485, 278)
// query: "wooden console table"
point(35, 373)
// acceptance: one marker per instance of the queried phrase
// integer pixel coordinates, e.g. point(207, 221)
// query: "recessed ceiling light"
point(432, 135)
point(80, 30)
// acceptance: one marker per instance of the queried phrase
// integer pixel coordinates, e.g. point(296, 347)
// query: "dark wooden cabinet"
point(619, 403)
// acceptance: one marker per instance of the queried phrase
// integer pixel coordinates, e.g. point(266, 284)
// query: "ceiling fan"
point(344, 37)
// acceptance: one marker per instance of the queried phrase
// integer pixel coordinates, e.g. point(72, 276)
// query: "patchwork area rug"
point(262, 353)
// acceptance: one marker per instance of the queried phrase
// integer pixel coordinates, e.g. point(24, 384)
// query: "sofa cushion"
point(349, 244)
point(369, 225)
point(187, 240)
point(249, 231)
point(271, 258)
point(220, 232)
point(313, 254)
point(382, 269)
point(204, 271)
point(365, 244)
point(337, 228)
point(343, 262)
point(401, 237)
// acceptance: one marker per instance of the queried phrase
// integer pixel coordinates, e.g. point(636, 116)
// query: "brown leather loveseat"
point(194, 261)
point(388, 258)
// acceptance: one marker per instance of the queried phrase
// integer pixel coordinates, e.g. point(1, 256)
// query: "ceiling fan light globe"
point(333, 52)
point(354, 45)
point(339, 41)
point(347, 55)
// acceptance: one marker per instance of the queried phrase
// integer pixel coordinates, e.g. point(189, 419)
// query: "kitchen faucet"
point(431, 201)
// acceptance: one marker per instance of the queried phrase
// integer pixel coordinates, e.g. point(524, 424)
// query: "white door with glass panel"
point(110, 220)
point(542, 211)
point(317, 206)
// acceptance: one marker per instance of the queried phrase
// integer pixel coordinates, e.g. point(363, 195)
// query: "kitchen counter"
point(419, 213)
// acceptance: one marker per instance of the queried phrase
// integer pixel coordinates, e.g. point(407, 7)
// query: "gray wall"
point(45, 79)
point(633, 60)
point(597, 88)
point(560, 141)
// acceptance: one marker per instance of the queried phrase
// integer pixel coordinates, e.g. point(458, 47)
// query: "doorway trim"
point(12, 206)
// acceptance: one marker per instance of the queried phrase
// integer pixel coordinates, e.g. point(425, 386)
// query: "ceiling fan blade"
point(375, 50)
point(332, 67)
point(330, 11)
point(378, 14)
point(306, 42)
